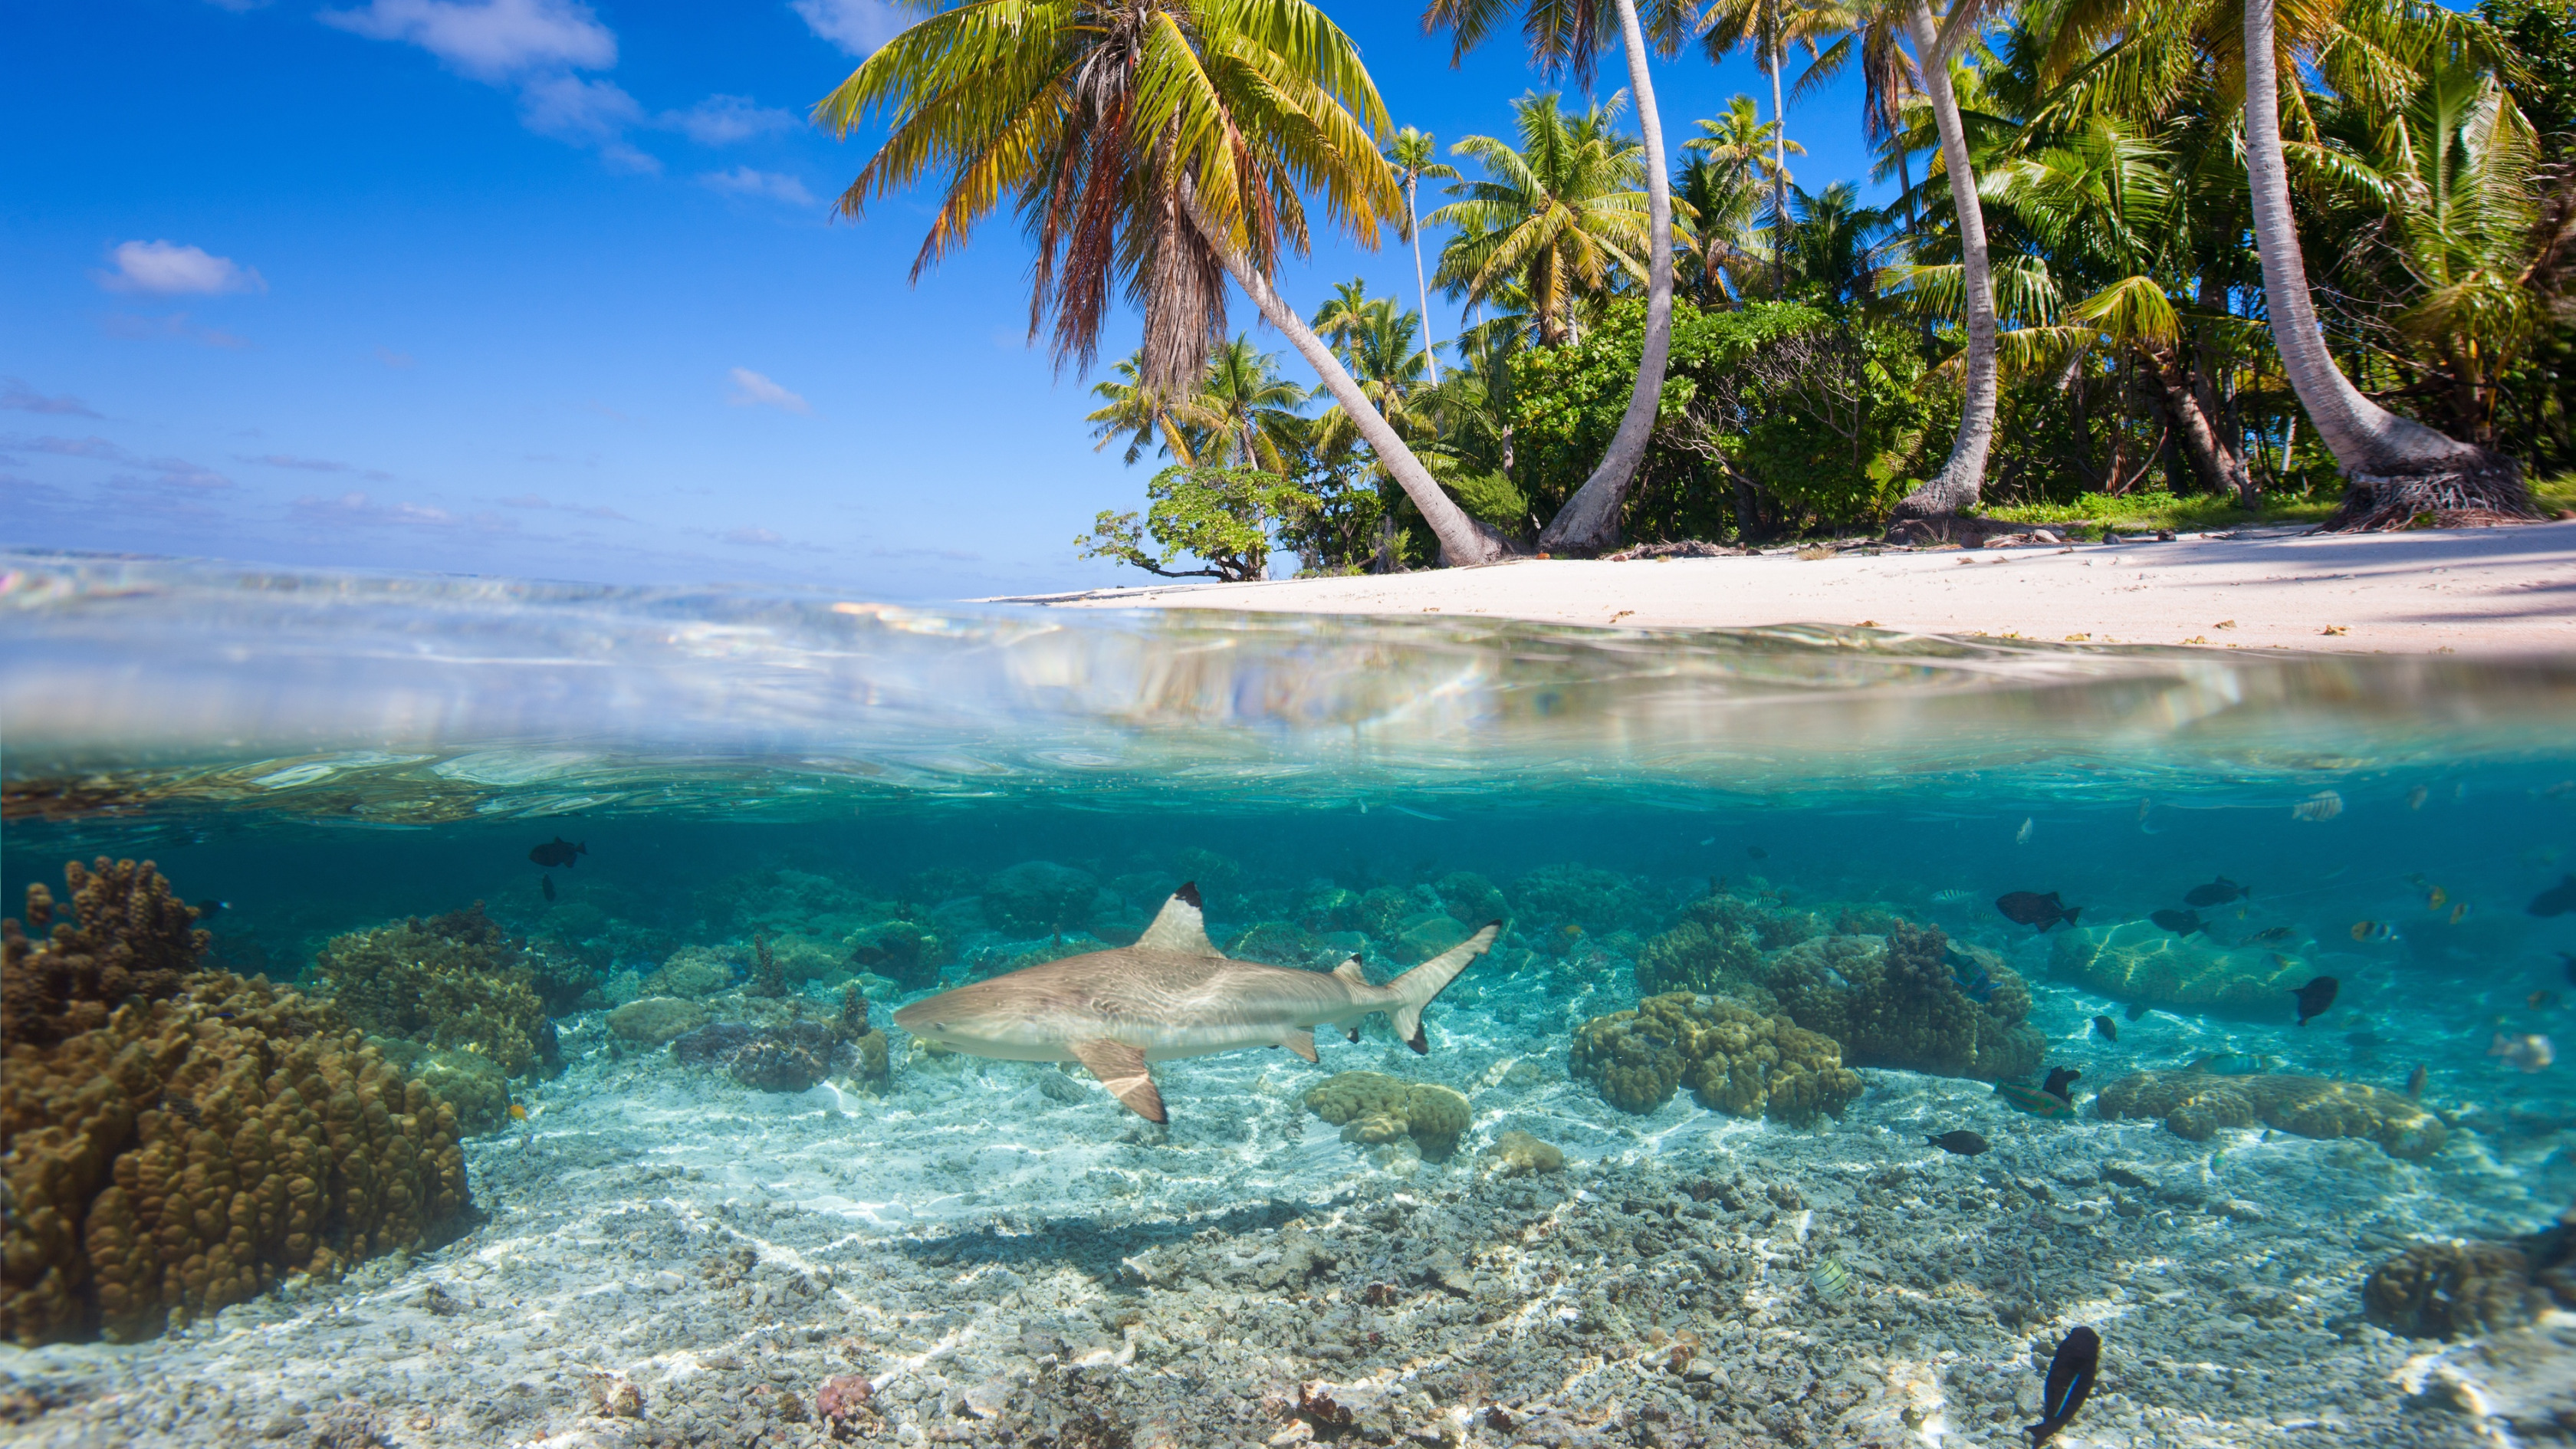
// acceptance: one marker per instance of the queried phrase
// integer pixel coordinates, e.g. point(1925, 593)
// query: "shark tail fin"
point(1415, 988)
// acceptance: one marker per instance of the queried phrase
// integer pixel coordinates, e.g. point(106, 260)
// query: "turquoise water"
point(889, 802)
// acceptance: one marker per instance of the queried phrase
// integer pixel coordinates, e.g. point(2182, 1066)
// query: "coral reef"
point(1282, 943)
point(194, 1151)
point(1373, 1108)
point(1037, 897)
point(1552, 898)
point(2139, 961)
point(129, 938)
point(903, 952)
point(1733, 1060)
point(1710, 950)
point(2196, 1105)
point(655, 1020)
point(1471, 898)
point(1898, 1001)
point(456, 981)
point(766, 978)
point(790, 1056)
point(470, 1083)
point(693, 971)
point(2453, 1290)
point(1518, 1154)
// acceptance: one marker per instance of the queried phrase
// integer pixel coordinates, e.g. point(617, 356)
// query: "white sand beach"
point(2484, 590)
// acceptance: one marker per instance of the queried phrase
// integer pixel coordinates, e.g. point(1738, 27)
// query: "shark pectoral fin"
point(1350, 972)
point(1121, 1068)
point(1180, 928)
point(1302, 1042)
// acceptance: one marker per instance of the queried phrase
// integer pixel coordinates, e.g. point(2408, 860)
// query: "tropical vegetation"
point(2116, 268)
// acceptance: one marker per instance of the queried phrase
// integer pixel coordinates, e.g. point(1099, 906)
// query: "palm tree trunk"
point(2195, 423)
point(2395, 469)
point(1779, 174)
point(1463, 540)
point(1413, 227)
point(1589, 521)
point(1960, 480)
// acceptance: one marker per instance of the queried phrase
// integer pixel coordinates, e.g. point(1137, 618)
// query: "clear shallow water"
point(327, 755)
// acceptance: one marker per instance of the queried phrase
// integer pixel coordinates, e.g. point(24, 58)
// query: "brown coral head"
point(40, 906)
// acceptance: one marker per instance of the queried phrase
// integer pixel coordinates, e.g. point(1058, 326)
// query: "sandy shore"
point(2489, 590)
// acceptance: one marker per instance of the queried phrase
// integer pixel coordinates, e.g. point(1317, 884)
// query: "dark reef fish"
point(558, 852)
point(2106, 1029)
point(2039, 912)
point(2137, 1009)
point(2070, 1382)
point(2060, 1084)
point(2269, 935)
point(2181, 923)
point(549, 884)
point(1963, 1142)
point(2217, 893)
point(2569, 957)
point(209, 909)
point(2415, 1080)
point(1757, 852)
point(1971, 974)
point(2558, 900)
point(2023, 1097)
point(2315, 997)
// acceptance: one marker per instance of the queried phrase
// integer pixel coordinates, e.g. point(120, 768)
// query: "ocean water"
point(2343, 1231)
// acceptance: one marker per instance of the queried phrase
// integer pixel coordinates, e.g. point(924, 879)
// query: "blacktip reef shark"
point(1172, 994)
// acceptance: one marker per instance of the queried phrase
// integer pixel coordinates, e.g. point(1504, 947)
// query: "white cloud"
point(165, 473)
point(759, 537)
point(167, 269)
point(17, 397)
point(857, 26)
point(490, 40)
point(750, 389)
point(315, 465)
point(570, 108)
point(743, 181)
point(360, 511)
point(721, 120)
point(176, 325)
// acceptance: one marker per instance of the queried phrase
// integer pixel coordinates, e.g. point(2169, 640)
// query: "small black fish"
point(2315, 997)
point(209, 909)
point(2415, 1080)
point(2217, 893)
point(2268, 935)
point(2181, 923)
point(2137, 1009)
point(558, 852)
point(2039, 912)
point(2558, 900)
point(2059, 1084)
point(549, 882)
point(1963, 1142)
point(1757, 852)
point(2103, 1025)
point(2070, 1381)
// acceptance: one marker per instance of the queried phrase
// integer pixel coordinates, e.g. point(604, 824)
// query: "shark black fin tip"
point(1421, 1046)
point(1189, 893)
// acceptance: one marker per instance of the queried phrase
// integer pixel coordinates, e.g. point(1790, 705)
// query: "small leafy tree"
point(1222, 516)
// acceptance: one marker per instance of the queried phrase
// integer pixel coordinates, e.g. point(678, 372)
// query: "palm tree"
point(1139, 413)
point(1721, 200)
point(1415, 157)
point(1769, 28)
point(1382, 348)
point(1962, 477)
point(1742, 141)
point(1244, 414)
point(1166, 145)
point(1558, 214)
point(1567, 35)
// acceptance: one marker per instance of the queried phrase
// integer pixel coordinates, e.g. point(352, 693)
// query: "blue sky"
point(551, 289)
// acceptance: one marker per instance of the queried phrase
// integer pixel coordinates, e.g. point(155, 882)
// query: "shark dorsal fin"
point(1350, 971)
point(1180, 928)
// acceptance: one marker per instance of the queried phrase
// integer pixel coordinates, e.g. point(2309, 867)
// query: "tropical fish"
point(1951, 897)
point(2181, 923)
point(1829, 1278)
point(548, 882)
point(2030, 908)
point(2531, 1053)
point(518, 1113)
point(2268, 935)
point(2232, 1064)
point(2137, 1009)
point(1572, 930)
point(2022, 836)
point(1173, 994)
point(2373, 931)
point(2022, 1096)
point(209, 909)
point(2415, 1080)
point(2558, 900)
point(2103, 1028)
point(2070, 1381)
point(2217, 893)
point(2323, 805)
point(1757, 852)
point(559, 852)
point(1963, 1142)
point(2315, 997)
point(2436, 898)
point(1971, 974)
point(2459, 913)
point(2543, 1000)
point(2061, 1084)
point(2416, 797)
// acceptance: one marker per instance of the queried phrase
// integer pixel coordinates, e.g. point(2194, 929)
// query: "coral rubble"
point(790, 1056)
point(456, 981)
point(1374, 1108)
point(191, 1151)
point(1900, 1001)
point(129, 938)
point(1734, 1060)
point(2196, 1105)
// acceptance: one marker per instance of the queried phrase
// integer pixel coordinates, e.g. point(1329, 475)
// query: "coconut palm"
point(1768, 28)
point(1559, 214)
point(1567, 35)
point(1416, 158)
point(1138, 413)
point(1162, 146)
point(1243, 414)
point(1727, 257)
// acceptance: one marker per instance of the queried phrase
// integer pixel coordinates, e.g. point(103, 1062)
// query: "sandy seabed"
point(1008, 1259)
